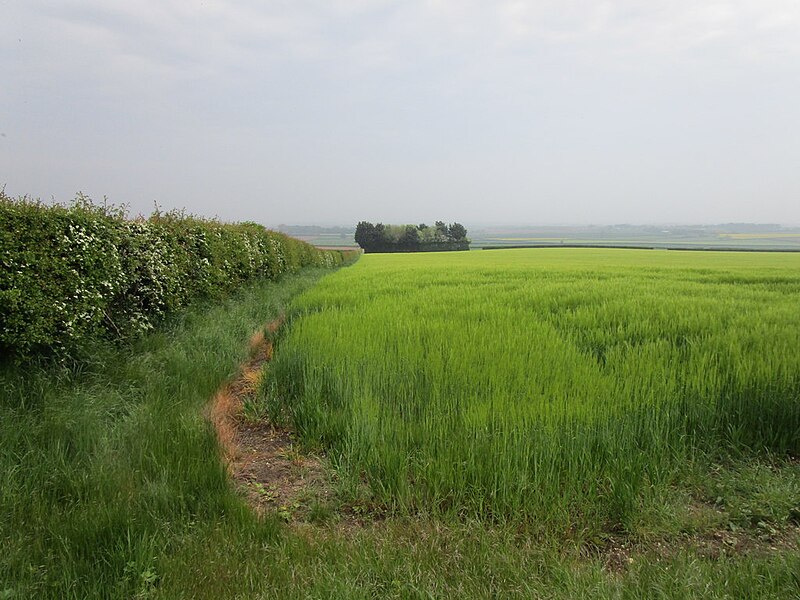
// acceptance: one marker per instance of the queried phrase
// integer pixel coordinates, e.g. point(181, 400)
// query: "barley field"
point(565, 387)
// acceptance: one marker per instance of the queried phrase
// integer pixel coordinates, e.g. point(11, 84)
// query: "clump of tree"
point(411, 238)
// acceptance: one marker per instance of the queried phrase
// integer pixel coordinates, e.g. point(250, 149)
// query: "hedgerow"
point(73, 273)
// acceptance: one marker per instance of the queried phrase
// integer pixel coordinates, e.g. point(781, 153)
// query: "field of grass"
point(736, 241)
point(112, 483)
point(570, 388)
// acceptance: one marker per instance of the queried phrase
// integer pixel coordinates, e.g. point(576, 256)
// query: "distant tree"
point(457, 232)
point(365, 234)
point(381, 236)
point(409, 238)
point(427, 235)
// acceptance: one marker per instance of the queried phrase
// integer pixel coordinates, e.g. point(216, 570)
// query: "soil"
point(262, 458)
point(620, 554)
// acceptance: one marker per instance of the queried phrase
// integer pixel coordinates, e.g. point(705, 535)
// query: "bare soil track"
point(261, 457)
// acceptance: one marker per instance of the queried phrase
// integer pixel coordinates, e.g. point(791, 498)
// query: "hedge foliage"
point(71, 273)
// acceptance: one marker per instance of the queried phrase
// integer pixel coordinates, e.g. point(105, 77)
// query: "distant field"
point(565, 386)
point(684, 237)
point(330, 240)
point(743, 241)
point(761, 236)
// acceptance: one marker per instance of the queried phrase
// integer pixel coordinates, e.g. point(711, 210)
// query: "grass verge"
point(103, 467)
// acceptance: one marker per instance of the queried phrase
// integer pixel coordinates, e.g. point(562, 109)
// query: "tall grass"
point(107, 468)
point(560, 386)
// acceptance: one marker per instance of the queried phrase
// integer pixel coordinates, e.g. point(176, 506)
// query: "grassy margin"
point(105, 465)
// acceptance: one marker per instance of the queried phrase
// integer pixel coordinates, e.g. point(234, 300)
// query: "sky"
point(335, 111)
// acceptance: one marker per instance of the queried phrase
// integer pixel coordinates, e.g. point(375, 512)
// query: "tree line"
point(411, 238)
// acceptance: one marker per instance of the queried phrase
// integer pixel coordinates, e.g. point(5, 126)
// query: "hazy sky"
point(332, 111)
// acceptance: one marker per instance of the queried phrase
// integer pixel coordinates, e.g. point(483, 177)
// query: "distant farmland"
point(744, 236)
point(564, 387)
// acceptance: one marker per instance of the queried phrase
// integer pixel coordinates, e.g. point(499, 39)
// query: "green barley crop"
point(559, 386)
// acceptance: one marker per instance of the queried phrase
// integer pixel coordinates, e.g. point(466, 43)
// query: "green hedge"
point(72, 273)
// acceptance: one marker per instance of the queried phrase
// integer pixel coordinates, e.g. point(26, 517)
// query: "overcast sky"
point(333, 111)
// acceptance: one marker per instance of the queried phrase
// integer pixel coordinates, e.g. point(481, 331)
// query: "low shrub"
point(72, 273)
